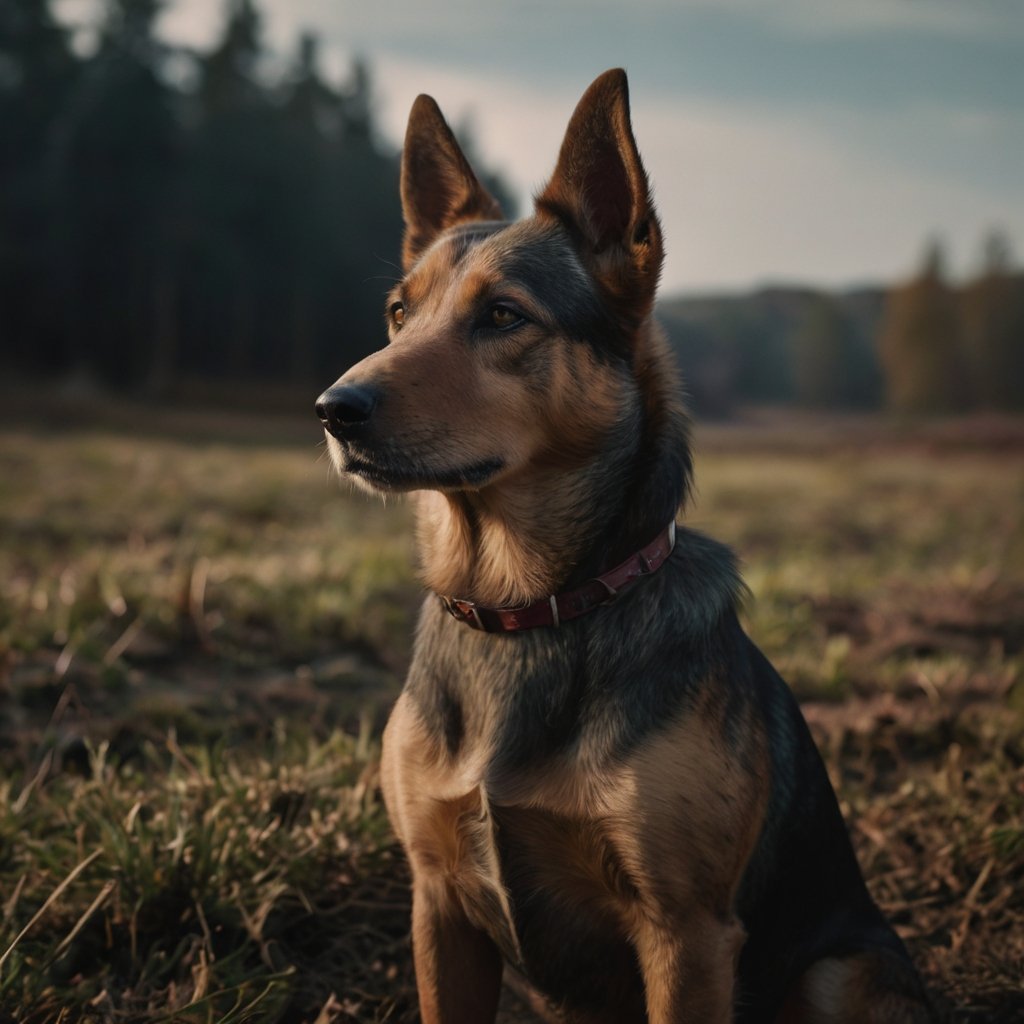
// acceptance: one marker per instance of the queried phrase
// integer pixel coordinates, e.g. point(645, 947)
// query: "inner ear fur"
point(600, 193)
point(439, 188)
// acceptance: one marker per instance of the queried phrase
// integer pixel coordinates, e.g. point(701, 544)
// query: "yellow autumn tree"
point(919, 343)
point(992, 311)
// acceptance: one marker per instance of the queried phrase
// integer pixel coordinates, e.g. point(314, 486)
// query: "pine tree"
point(920, 343)
point(229, 81)
point(115, 163)
point(365, 214)
point(313, 117)
point(993, 325)
point(37, 74)
point(237, 179)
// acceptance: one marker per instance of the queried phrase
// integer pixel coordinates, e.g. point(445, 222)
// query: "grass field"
point(201, 633)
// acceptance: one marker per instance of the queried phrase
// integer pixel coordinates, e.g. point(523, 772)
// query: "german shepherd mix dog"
point(596, 775)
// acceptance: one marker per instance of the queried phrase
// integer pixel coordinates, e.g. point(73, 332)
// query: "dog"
point(597, 777)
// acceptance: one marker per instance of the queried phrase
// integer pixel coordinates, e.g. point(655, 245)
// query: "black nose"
point(345, 406)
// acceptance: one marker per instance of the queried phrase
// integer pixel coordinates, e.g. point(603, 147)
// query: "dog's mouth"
point(391, 471)
point(416, 478)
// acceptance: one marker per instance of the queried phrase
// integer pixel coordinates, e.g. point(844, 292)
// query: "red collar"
point(558, 608)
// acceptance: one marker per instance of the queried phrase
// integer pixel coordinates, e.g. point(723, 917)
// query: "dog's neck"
point(550, 528)
point(509, 543)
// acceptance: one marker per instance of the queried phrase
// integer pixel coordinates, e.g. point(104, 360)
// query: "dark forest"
point(168, 215)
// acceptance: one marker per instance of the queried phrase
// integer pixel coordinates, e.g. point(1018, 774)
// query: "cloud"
point(984, 18)
point(825, 18)
point(747, 194)
point(747, 200)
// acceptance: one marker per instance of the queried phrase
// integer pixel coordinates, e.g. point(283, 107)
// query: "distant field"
point(201, 632)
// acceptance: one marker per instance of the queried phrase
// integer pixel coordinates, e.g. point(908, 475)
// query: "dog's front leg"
point(458, 967)
point(689, 968)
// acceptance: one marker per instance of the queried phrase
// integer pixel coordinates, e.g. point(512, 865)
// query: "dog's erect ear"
point(599, 191)
point(439, 188)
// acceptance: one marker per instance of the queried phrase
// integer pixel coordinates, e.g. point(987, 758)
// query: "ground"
point(201, 632)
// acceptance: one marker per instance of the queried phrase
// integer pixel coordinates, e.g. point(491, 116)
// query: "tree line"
point(924, 345)
point(167, 214)
point(946, 349)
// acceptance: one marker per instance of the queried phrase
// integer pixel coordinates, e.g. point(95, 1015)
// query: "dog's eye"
point(504, 318)
point(396, 312)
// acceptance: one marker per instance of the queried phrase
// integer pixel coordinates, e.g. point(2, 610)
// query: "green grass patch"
point(202, 884)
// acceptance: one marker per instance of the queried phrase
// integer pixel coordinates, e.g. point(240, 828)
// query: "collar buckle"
point(463, 611)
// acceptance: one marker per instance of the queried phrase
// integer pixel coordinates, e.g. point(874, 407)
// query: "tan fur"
point(688, 845)
point(678, 830)
point(847, 991)
point(515, 541)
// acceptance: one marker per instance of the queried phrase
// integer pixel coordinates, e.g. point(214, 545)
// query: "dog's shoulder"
point(703, 584)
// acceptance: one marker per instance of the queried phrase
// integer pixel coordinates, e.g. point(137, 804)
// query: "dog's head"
point(510, 344)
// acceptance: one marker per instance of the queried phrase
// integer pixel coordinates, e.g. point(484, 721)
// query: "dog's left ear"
point(439, 188)
point(599, 191)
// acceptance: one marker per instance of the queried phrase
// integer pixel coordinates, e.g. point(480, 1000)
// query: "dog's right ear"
point(439, 188)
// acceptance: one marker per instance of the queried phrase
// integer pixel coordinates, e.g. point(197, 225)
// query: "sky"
point(816, 141)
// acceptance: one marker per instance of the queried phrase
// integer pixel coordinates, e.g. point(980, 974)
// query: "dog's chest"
point(528, 854)
point(505, 769)
point(550, 889)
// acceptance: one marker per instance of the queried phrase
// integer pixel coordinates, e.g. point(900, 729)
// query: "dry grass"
point(199, 640)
